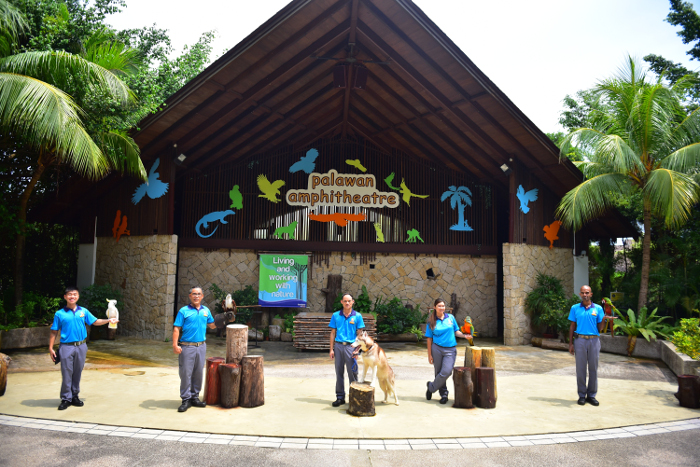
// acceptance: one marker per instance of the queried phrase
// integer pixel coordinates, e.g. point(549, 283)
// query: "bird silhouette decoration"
point(551, 231)
point(407, 194)
point(119, 227)
point(380, 234)
point(340, 219)
point(526, 197)
point(390, 179)
point(270, 190)
point(154, 188)
point(236, 197)
point(307, 163)
point(356, 163)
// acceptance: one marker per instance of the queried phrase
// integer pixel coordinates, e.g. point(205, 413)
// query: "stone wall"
point(521, 263)
point(144, 268)
point(473, 279)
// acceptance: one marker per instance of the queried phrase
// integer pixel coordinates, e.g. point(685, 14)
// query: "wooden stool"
point(252, 381)
point(464, 388)
point(230, 375)
point(485, 390)
point(212, 384)
point(236, 343)
point(361, 400)
point(688, 394)
point(3, 373)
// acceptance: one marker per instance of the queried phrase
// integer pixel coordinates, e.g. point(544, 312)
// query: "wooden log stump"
point(236, 343)
point(488, 360)
point(472, 359)
point(464, 387)
point(252, 381)
point(484, 391)
point(361, 400)
point(554, 344)
point(688, 394)
point(212, 383)
point(230, 376)
point(4, 359)
point(536, 341)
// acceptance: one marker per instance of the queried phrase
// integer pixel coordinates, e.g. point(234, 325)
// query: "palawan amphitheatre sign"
point(335, 189)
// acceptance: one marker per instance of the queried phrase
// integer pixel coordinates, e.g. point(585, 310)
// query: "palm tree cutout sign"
point(460, 198)
point(154, 188)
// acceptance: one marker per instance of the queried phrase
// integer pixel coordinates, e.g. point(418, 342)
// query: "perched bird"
point(526, 197)
point(388, 181)
point(551, 231)
point(154, 188)
point(307, 163)
point(468, 328)
point(356, 163)
point(270, 190)
point(380, 234)
point(112, 312)
point(407, 194)
point(236, 197)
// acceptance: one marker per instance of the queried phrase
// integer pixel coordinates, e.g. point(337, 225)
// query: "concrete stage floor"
point(134, 383)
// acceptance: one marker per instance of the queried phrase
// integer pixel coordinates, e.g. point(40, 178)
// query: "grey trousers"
point(587, 352)
point(192, 361)
point(72, 363)
point(444, 359)
point(343, 362)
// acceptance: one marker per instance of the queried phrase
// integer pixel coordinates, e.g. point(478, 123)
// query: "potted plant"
point(548, 306)
point(641, 324)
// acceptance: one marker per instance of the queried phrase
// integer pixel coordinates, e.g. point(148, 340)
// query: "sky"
point(535, 51)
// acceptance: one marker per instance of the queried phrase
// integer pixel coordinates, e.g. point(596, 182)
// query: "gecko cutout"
point(526, 197)
point(287, 229)
point(551, 231)
point(307, 163)
point(119, 227)
point(357, 164)
point(340, 219)
point(460, 198)
point(211, 217)
point(380, 234)
point(236, 198)
point(154, 188)
point(413, 235)
point(269, 190)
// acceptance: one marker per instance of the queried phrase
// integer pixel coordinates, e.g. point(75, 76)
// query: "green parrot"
point(236, 198)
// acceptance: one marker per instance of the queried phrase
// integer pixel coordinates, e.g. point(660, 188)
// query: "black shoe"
point(186, 404)
point(77, 402)
point(197, 403)
point(581, 400)
point(428, 394)
point(338, 402)
point(64, 405)
point(593, 401)
point(443, 400)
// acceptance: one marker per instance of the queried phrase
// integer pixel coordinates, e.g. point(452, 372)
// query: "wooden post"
point(252, 381)
point(334, 287)
point(3, 373)
point(212, 383)
point(230, 375)
point(488, 360)
point(236, 343)
point(472, 359)
point(361, 400)
point(484, 395)
point(688, 394)
point(464, 387)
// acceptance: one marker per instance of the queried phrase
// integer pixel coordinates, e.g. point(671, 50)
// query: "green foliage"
point(547, 304)
point(393, 317)
point(641, 324)
point(687, 340)
point(246, 296)
point(363, 304)
point(682, 14)
point(289, 323)
point(416, 330)
point(95, 297)
point(34, 310)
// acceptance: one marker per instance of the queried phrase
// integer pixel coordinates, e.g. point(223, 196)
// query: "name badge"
point(594, 313)
point(352, 321)
point(82, 315)
point(206, 313)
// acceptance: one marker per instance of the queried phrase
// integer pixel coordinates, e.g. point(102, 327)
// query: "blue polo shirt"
point(193, 323)
point(444, 332)
point(346, 328)
point(586, 318)
point(72, 323)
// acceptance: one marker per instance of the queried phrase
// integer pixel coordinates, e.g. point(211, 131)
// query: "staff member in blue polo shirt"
point(586, 322)
point(192, 321)
point(345, 327)
point(442, 348)
point(71, 321)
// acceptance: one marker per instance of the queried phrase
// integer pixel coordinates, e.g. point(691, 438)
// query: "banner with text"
point(283, 280)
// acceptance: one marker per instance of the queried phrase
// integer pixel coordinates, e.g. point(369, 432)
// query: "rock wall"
point(473, 279)
point(145, 269)
point(521, 263)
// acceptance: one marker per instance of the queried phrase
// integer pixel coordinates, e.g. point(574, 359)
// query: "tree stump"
point(464, 388)
point(688, 394)
point(252, 381)
point(236, 343)
point(230, 376)
point(111, 334)
point(488, 360)
point(4, 359)
point(361, 400)
point(334, 287)
point(212, 384)
point(472, 359)
point(484, 391)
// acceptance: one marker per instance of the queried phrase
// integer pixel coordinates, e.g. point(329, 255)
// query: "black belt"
point(344, 343)
point(587, 336)
point(74, 343)
point(194, 344)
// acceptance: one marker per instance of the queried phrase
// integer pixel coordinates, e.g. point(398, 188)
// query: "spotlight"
point(181, 157)
point(506, 170)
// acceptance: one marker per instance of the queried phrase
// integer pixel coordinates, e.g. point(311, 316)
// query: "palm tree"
point(642, 141)
point(460, 198)
point(38, 114)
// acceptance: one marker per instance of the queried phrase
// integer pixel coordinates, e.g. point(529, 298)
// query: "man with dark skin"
point(346, 325)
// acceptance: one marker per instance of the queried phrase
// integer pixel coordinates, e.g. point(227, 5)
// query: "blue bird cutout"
point(154, 188)
point(211, 217)
point(306, 163)
point(526, 197)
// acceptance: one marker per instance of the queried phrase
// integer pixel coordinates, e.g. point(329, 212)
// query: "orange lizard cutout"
point(551, 231)
point(339, 218)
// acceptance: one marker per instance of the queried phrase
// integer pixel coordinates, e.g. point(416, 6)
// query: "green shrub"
point(687, 340)
point(547, 304)
point(641, 324)
point(394, 317)
point(35, 310)
point(363, 304)
point(94, 298)
point(244, 297)
point(289, 323)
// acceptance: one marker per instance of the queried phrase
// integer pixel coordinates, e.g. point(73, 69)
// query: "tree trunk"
point(646, 257)
point(472, 359)
point(252, 381)
point(334, 287)
point(361, 400)
point(631, 344)
point(484, 393)
point(488, 360)
point(230, 377)
point(3, 373)
point(212, 384)
point(464, 388)
point(236, 343)
point(688, 394)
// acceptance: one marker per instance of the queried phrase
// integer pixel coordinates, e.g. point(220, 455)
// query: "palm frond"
point(684, 159)
point(672, 195)
point(12, 22)
point(123, 154)
point(588, 200)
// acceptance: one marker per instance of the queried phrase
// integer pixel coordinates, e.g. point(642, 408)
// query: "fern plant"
point(640, 324)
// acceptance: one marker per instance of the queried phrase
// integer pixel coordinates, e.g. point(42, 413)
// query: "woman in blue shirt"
point(442, 348)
